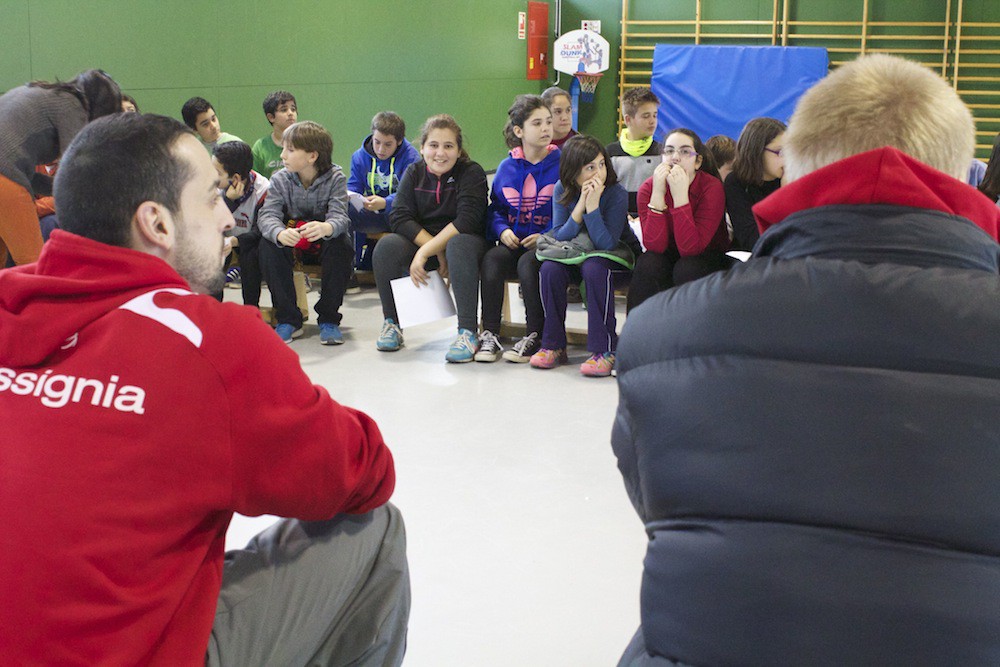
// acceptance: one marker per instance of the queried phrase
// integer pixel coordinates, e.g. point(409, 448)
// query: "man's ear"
point(153, 228)
point(270, 117)
point(313, 156)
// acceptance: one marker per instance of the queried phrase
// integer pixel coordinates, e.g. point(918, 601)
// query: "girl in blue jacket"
point(588, 198)
point(520, 210)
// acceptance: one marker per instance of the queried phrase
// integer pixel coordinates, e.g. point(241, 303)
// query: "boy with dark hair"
point(306, 204)
point(199, 115)
point(376, 169)
point(281, 111)
point(636, 155)
point(244, 191)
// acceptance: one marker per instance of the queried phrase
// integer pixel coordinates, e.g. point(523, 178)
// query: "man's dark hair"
point(235, 157)
point(275, 100)
point(114, 164)
point(193, 107)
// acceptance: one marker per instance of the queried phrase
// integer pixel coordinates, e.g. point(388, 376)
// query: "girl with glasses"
point(681, 210)
point(756, 173)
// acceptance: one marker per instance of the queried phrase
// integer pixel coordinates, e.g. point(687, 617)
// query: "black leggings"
point(655, 272)
point(500, 264)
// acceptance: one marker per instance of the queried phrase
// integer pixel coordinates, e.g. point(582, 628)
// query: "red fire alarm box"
point(538, 40)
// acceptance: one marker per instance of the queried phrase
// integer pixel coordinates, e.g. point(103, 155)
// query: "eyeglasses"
point(776, 152)
point(683, 152)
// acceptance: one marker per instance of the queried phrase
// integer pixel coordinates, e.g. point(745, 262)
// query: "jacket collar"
point(882, 176)
point(882, 234)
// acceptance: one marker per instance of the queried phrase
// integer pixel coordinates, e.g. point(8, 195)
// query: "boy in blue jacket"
point(376, 169)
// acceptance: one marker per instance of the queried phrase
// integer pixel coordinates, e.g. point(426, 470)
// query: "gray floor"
point(523, 547)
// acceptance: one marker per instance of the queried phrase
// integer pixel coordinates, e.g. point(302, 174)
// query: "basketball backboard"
point(581, 51)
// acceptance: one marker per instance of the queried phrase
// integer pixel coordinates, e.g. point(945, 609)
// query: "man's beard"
point(202, 272)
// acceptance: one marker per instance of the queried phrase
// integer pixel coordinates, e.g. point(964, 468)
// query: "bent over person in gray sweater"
point(37, 123)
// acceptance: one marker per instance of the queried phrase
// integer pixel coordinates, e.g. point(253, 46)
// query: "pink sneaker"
point(599, 365)
point(549, 358)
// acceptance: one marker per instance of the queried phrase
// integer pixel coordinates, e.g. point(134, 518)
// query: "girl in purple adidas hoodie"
point(520, 210)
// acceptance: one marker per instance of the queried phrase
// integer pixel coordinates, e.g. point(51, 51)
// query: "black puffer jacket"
point(813, 443)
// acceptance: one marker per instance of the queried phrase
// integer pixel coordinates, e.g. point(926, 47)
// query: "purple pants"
point(598, 280)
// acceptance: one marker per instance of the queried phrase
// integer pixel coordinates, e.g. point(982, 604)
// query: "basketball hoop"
point(588, 84)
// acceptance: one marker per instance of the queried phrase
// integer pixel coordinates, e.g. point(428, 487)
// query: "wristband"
point(655, 210)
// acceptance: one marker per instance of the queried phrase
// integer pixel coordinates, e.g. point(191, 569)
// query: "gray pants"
point(392, 258)
point(331, 592)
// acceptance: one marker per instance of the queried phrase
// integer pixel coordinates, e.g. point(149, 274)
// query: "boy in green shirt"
point(281, 112)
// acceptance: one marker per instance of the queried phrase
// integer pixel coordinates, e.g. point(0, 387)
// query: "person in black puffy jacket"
point(811, 438)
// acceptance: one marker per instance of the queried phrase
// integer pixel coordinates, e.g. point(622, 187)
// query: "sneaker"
point(352, 285)
point(329, 334)
point(287, 332)
point(464, 349)
point(599, 365)
point(490, 348)
point(391, 337)
point(523, 349)
point(233, 277)
point(549, 358)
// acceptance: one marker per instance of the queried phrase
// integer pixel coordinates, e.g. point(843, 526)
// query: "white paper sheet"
point(419, 305)
point(741, 255)
point(356, 200)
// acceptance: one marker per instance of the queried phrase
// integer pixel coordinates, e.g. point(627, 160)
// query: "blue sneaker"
point(329, 334)
point(464, 348)
point(391, 338)
point(287, 332)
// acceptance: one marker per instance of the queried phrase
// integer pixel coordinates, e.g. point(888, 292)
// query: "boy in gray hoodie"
point(306, 207)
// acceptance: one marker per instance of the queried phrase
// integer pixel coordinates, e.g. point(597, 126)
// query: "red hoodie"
point(881, 176)
point(131, 433)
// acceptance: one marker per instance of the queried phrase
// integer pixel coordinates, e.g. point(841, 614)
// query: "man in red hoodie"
point(811, 438)
point(133, 432)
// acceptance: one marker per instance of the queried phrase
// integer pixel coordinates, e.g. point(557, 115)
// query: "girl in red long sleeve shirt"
point(681, 209)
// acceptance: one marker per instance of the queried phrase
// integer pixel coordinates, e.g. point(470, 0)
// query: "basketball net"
point(588, 84)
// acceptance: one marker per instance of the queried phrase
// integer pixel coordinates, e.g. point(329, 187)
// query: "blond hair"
point(877, 101)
